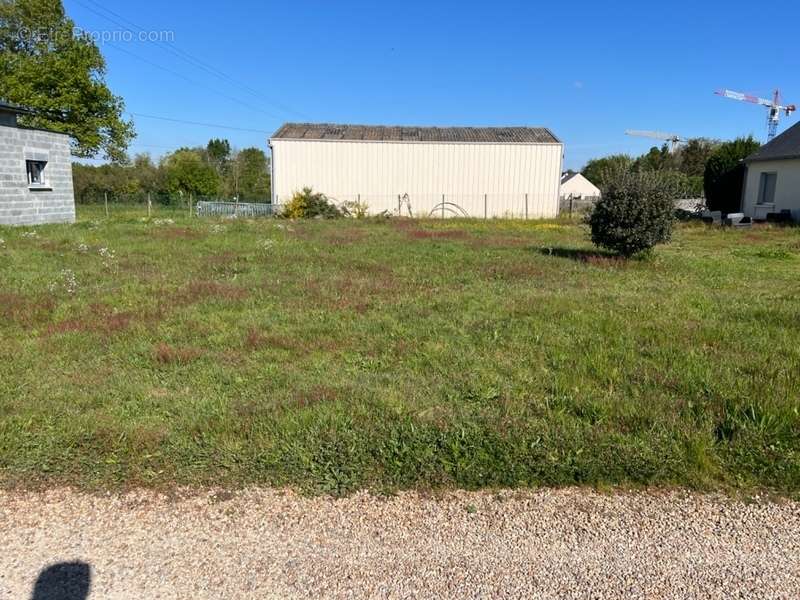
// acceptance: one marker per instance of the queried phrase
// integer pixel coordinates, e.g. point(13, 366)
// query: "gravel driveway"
point(271, 544)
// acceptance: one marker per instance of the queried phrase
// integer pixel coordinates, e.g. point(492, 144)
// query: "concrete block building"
point(35, 173)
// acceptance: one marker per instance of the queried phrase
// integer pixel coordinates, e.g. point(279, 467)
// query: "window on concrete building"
point(36, 172)
point(766, 188)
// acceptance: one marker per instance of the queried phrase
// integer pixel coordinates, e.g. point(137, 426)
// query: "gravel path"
point(273, 544)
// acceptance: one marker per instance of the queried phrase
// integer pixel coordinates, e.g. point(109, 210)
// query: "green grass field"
point(397, 354)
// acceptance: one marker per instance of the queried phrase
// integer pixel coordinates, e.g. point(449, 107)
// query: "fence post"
point(106, 202)
point(399, 205)
point(190, 205)
point(486, 206)
point(570, 206)
point(149, 205)
point(526, 207)
point(443, 206)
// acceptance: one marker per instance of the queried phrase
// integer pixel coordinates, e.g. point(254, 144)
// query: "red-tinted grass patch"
point(197, 291)
point(100, 318)
point(26, 310)
point(178, 233)
point(165, 354)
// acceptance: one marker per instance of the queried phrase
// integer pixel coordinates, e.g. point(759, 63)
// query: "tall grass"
point(400, 354)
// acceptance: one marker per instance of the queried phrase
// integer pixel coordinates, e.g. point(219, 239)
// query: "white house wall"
point(579, 187)
point(787, 187)
point(479, 179)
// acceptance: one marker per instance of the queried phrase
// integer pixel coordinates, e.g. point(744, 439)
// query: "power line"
point(212, 125)
point(185, 56)
point(187, 79)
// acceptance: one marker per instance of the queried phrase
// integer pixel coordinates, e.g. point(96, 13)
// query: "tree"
point(636, 210)
point(91, 183)
point(45, 66)
point(596, 168)
point(219, 155)
point(252, 174)
point(723, 178)
point(692, 156)
point(186, 171)
point(657, 159)
point(149, 176)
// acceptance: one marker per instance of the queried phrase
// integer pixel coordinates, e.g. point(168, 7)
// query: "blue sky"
point(588, 71)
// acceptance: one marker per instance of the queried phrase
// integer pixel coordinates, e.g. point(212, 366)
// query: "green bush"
point(636, 211)
point(723, 179)
point(307, 204)
point(355, 209)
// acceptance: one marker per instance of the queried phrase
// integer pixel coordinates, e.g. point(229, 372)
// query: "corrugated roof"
point(8, 107)
point(786, 145)
point(382, 133)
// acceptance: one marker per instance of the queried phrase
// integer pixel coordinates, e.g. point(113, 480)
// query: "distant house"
point(576, 186)
point(772, 183)
point(422, 171)
point(35, 173)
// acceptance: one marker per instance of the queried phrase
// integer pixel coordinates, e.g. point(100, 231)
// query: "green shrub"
point(356, 209)
point(307, 204)
point(723, 179)
point(636, 211)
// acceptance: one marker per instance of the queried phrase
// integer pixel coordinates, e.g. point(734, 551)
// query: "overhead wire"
point(186, 57)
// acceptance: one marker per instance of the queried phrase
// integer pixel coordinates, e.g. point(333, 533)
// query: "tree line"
point(712, 169)
point(686, 164)
point(215, 171)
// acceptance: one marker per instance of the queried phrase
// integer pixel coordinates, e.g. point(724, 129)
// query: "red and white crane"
point(774, 106)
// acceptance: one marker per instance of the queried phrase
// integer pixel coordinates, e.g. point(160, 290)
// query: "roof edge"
point(754, 158)
point(15, 108)
point(292, 124)
point(557, 142)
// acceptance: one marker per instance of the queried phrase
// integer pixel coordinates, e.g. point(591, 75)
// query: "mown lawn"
point(395, 354)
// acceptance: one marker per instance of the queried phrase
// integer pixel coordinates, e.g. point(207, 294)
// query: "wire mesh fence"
point(571, 205)
point(206, 208)
point(154, 205)
point(479, 206)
